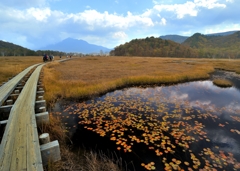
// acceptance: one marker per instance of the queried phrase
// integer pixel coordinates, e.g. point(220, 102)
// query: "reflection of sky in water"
point(198, 94)
point(201, 97)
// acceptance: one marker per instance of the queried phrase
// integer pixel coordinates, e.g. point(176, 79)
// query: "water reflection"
point(188, 126)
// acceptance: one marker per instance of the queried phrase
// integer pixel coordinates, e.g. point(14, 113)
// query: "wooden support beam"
point(13, 96)
point(3, 122)
point(39, 104)
point(9, 102)
point(40, 93)
point(42, 118)
point(5, 109)
point(50, 152)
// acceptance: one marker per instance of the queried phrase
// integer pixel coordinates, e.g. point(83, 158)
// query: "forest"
point(154, 47)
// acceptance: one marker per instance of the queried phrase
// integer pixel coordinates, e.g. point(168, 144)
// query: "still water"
point(188, 126)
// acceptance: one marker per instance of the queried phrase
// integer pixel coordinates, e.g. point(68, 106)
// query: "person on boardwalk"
point(45, 58)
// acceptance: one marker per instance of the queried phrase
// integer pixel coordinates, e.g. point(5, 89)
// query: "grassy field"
point(10, 66)
point(85, 77)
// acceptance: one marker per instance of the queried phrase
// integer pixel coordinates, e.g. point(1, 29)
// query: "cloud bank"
point(35, 23)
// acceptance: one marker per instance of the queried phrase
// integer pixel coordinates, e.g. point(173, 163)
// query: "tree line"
point(154, 47)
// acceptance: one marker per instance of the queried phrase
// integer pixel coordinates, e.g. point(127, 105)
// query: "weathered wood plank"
point(22, 150)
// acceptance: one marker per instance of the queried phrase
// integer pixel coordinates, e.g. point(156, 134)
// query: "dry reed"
point(10, 66)
point(85, 77)
point(222, 83)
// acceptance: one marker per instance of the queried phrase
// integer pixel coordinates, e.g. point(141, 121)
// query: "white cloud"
point(119, 35)
point(163, 21)
point(39, 14)
point(97, 19)
point(190, 8)
point(209, 4)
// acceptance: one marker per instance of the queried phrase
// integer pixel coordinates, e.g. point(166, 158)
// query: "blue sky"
point(36, 23)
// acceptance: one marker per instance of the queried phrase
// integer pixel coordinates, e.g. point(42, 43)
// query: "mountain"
point(215, 46)
point(222, 33)
point(175, 38)
point(154, 47)
point(10, 49)
point(205, 41)
point(74, 45)
point(181, 39)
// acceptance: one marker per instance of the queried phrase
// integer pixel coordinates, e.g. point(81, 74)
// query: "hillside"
point(74, 45)
point(10, 49)
point(181, 39)
point(154, 47)
point(215, 46)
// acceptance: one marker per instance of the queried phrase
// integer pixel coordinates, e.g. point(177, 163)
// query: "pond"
point(188, 126)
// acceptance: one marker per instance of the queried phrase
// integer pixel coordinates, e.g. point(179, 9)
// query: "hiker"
point(45, 58)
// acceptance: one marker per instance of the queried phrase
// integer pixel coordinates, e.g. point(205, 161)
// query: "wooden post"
point(16, 91)
point(50, 152)
point(44, 138)
point(9, 102)
point(39, 97)
point(42, 118)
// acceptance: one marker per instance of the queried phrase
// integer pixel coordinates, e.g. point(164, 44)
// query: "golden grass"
point(84, 77)
point(222, 83)
point(10, 66)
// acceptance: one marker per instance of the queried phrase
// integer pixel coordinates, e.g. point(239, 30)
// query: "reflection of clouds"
point(204, 105)
point(174, 95)
point(201, 104)
point(205, 84)
point(233, 107)
point(226, 143)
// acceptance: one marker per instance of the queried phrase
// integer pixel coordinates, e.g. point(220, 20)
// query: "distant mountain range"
point(219, 45)
point(181, 39)
point(175, 38)
point(78, 46)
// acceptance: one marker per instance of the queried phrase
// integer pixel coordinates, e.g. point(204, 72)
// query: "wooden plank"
point(20, 146)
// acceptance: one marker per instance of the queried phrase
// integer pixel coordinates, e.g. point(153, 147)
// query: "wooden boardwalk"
point(20, 149)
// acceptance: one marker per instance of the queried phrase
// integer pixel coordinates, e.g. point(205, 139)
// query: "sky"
point(36, 23)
